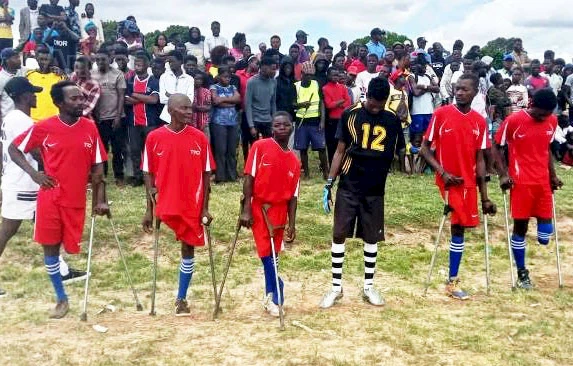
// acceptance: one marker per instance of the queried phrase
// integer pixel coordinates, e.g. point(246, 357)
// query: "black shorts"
point(366, 213)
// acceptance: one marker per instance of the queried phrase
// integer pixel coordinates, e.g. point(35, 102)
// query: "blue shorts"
point(420, 123)
point(309, 134)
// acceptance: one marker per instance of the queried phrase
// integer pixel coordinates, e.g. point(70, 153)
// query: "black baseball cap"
point(377, 31)
point(19, 85)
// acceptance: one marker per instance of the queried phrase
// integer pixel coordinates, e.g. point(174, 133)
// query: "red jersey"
point(244, 77)
point(333, 92)
point(68, 153)
point(178, 161)
point(457, 138)
point(276, 172)
point(528, 142)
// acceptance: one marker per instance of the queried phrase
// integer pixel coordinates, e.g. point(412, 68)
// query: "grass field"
point(505, 328)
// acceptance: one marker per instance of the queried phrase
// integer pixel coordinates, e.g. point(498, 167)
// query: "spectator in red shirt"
point(336, 100)
point(535, 81)
point(244, 76)
point(294, 53)
point(201, 104)
point(360, 62)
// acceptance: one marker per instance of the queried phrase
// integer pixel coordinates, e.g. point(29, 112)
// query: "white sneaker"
point(270, 307)
point(373, 297)
point(330, 298)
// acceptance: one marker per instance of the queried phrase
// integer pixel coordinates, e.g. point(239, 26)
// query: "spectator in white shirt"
point(363, 78)
point(517, 92)
point(89, 17)
point(423, 101)
point(559, 145)
point(507, 69)
point(215, 40)
point(174, 81)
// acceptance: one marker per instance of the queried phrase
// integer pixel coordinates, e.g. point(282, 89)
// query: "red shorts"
point(278, 217)
point(56, 224)
point(187, 229)
point(463, 201)
point(531, 200)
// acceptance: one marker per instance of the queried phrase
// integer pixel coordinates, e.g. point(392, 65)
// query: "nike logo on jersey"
point(448, 130)
point(521, 136)
point(266, 164)
point(474, 216)
point(160, 153)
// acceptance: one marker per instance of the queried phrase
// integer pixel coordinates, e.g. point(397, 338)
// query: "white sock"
point(64, 269)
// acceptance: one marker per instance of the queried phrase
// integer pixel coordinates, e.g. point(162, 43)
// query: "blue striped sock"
point(270, 281)
point(186, 270)
point(52, 264)
point(518, 248)
point(456, 251)
point(544, 232)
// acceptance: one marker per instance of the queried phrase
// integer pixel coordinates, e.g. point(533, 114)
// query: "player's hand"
point(327, 196)
point(505, 182)
point(147, 222)
point(246, 219)
point(254, 133)
point(488, 207)
point(206, 218)
point(450, 180)
point(102, 209)
point(44, 180)
point(556, 183)
point(290, 234)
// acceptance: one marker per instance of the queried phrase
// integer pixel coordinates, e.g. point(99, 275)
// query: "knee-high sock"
point(544, 232)
point(370, 252)
point(456, 252)
point(52, 264)
point(270, 280)
point(64, 268)
point(337, 252)
point(186, 270)
point(518, 248)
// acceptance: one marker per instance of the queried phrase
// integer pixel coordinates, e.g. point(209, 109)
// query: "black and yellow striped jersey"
point(371, 143)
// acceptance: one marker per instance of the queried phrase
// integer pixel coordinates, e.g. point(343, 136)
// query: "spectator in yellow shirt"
point(6, 20)
point(44, 77)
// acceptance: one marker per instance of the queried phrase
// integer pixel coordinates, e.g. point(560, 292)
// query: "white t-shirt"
point(13, 177)
point(424, 104)
point(362, 80)
point(34, 19)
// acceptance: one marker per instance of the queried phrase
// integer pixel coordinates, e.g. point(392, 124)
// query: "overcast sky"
point(473, 21)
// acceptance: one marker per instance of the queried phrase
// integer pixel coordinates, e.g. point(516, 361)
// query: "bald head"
point(177, 100)
point(180, 108)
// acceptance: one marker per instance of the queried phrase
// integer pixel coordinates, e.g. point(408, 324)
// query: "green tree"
point(391, 38)
point(109, 30)
point(181, 30)
point(497, 48)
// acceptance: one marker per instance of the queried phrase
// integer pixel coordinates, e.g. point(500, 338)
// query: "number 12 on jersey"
point(379, 134)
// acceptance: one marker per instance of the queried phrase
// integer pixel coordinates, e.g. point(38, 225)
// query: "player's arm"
point(291, 229)
point(555, 182)
point(337, 160)
point(40, 178)
point(428, 155)
point(207, 192)
point(487, 206)
point(99, 199)
point(246, 218)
